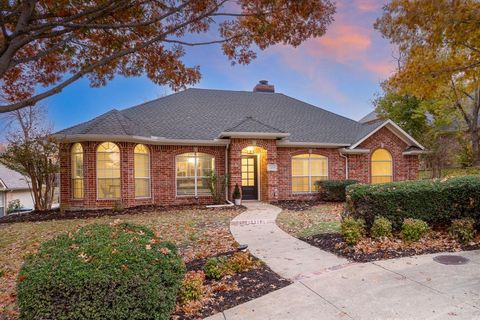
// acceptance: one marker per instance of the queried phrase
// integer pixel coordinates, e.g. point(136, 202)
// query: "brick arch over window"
point(108, 171)
point(381, 164)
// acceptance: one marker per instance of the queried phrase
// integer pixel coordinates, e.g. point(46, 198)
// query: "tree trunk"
point(475, 146)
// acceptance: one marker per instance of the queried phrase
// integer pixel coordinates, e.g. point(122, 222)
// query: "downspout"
point(230, 204)
point(346, 165)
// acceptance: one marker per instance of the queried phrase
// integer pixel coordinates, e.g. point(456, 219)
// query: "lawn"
point(197, 233)
point(450, 172)
point(319, 218)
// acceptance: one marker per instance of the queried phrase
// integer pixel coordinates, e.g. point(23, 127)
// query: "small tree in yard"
point(32, 152)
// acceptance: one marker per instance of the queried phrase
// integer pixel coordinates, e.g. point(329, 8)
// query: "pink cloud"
point(368, 5)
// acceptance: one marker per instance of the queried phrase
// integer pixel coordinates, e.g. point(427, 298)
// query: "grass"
point(323, 218)
point(197, 233)
point(450, 172)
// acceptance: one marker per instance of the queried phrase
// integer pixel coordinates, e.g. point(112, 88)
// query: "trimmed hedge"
point(101, 272)
point(437, 202)
point(333, 190)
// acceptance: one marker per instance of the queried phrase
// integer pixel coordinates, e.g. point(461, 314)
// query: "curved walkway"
point(289, 257)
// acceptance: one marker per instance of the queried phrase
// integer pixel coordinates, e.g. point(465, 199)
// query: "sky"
point(340, 72)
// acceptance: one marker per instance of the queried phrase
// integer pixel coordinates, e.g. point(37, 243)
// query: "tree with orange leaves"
point(46, 45)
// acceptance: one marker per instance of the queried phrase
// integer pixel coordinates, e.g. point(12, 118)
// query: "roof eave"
point(415, 152)
point(354, 151)
point(286, 143)
point(254, 135)
point(138, 139)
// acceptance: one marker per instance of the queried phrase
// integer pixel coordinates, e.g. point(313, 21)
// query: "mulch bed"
point(370, 250)
point(298, 205)
point(238, 289)
point(57, 214)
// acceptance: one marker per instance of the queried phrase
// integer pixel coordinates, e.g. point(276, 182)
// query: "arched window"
point(142, 171)
point(382, 168)
point(192, 173)
point(77, 171)
point(108, 171)
point(306, 170)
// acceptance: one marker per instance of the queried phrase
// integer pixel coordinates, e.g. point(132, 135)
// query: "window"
point(306, 170)
point(108, 171)
point(2, 203)
point(192, 173)
point(381, 166)
point(142, 171)
point(77, 171)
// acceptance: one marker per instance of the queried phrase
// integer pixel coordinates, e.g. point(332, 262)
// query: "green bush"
point(437, 202)
point(333, 190)
point(192, 287)
point(215, 268)
point(382, 227)
point(463, 230)
point(241, 262)
point(118, 271)
point(352, 230)
point(413, 229)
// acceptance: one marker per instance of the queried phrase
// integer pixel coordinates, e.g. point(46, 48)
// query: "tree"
point(52, 44)
point(32, 152)
point(439, 46)
point(424, 120)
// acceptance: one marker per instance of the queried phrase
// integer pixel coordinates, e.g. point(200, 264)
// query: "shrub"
point(463, 230)
point(215, 268)
point(192, 287)
point(14, 205)
point(118, 271)
point(333, 190)
point(241, 262)
point(236, 192)
point(437, 202)
point(413, 229)
point(381, 227)
point(352, 230)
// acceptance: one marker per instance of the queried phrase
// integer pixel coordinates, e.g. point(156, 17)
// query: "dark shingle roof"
point(372, 116)
point(202, 114)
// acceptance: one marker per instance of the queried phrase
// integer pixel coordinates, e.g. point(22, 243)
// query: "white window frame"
point(309, 159)
point(195, 177)
point(73, 179)
point(120, 171)
point(149, 172)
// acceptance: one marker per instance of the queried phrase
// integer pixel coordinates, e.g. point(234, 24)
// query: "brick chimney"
point(263, 86)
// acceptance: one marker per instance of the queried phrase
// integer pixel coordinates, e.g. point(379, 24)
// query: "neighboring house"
point(274, 146)
point(13, 186)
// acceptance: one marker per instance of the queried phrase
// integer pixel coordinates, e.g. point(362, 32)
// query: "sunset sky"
point(339, 72)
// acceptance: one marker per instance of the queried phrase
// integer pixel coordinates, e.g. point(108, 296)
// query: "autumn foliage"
point(46, 45)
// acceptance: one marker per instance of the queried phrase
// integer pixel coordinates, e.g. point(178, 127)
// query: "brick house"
point(274, 146)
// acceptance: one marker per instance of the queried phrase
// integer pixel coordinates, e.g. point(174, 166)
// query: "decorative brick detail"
point(274, 185)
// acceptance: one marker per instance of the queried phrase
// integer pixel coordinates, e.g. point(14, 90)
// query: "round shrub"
point(414, 229)
point(463, 230)
point(118, 271)
point(333, 190)
point(215, 268)
point(352, 230)
point(382, 227)
point(192, 287)
point(241, 262)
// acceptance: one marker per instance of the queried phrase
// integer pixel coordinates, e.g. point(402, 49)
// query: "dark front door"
point(249, 178)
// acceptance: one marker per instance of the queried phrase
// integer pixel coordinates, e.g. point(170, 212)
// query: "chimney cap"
point(263, 86)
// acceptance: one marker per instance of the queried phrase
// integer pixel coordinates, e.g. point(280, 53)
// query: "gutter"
point(344, 151)
point(286, 143)
point(346, 165)
point(229, 203)
point(415, 153)
point(138, 139)
point(254, 135)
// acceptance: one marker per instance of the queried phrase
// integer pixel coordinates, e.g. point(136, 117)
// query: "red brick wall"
point(163, 182)
point(274, 185)
point(404, 167)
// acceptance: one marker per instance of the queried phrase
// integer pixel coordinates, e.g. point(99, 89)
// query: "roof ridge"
point(255, 120)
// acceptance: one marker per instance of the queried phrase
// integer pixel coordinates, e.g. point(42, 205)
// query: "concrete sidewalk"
point(328, 287)
point(289, 257)
point(400, 289)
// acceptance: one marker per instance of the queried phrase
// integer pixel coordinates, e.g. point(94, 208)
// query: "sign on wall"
point(272, 167)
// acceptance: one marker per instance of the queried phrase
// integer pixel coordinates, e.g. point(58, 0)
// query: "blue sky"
point(340, 72)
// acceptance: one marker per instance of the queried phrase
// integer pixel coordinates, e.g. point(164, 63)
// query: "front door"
point(249, 178)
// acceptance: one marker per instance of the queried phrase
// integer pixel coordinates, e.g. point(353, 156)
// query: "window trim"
point(391, 166)
point(96, 172)
point(309, 172)
point(149, 155)
point(72, 179)
point(196, 195)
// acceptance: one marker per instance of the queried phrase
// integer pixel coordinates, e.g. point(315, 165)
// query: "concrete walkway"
point(406, 288)
point(289, 257)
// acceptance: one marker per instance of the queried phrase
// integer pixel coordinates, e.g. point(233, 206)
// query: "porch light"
point(250, 150)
